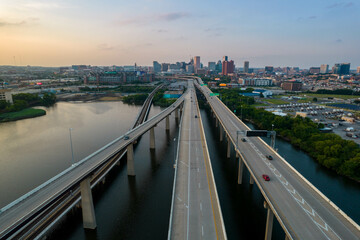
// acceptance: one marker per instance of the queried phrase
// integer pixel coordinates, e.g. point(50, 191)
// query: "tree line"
point(26, 100)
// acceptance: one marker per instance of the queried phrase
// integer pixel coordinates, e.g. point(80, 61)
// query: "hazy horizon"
point(277, 33)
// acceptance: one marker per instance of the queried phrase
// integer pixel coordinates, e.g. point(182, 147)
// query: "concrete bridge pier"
point(88, 212)
point(241, 170)
point(167, 123)
point(130, 160)
point(251, 179)
point(221, 133)
point(152, 138)
point(228, 152)
point(176, 113)
point(269, 222)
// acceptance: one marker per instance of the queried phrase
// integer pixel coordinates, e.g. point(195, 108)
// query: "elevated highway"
point(300, 208)
point(195, 211)
point(35, 212)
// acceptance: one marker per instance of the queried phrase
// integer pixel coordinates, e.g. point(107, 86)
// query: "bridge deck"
point(196, 208)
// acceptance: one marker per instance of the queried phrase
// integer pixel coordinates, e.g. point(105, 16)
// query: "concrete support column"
point(221, 133)
point(167, 123)
point(176, 113)
point(269, 222)
point(251, 179)
point(87, 205)
point(152, 138)
point(216, 122)
point(240, 171)
point(130, 160)
point(228, 147)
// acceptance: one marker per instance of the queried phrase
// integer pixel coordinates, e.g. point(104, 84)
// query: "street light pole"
point(71, 145)
point(174, 153)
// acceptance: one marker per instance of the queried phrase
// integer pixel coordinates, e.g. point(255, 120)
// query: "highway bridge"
point(34, 213)
point(195, 211)
point(300, 208)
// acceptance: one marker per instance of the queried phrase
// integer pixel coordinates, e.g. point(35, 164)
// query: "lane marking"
point(314, 216)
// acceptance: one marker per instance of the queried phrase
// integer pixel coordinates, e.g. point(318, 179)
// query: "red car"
point(266, 177)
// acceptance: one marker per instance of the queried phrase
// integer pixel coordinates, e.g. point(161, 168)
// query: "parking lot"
point(331, 117)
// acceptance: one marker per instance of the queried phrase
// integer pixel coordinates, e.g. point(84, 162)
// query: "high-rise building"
point(314, 70)
point(269, 69)
point(246, 66)
point(164, 67)
point(358, 70)
point(291, 85)
point(341, 68)
point(324, 68)
point(196, 62)
point(212, 66)
point(228, 67)
point(225, 58)
point(218, 67)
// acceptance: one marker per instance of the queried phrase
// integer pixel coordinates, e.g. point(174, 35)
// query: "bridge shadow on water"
point(241, 205)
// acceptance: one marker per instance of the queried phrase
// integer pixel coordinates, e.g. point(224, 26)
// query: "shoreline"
point(23, 114)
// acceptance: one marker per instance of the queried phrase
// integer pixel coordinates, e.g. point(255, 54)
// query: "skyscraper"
point(196, 62)
point(324, 68)
point(228, 67)
point(212, 66)
point(341, 68)
point(246, 66)
point(225, 58)
point(358, 70)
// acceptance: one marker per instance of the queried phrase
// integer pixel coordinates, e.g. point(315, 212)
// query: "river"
point(34, 150)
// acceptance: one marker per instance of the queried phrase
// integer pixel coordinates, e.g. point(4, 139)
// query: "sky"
point(117, 32)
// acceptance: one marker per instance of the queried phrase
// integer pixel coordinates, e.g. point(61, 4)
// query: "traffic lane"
point(180, 209)
point(260, 168)
point(319, 221)
point(330, 215)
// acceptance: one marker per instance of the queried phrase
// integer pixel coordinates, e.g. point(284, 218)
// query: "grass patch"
point(276, 101)
point(330, 95)
point(26, 113)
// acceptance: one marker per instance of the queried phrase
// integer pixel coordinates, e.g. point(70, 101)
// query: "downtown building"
point(341, 68)
point(227, 66)
point(255, 81)
point(113, 78)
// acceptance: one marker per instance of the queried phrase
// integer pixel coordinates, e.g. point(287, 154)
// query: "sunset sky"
point(265, 32)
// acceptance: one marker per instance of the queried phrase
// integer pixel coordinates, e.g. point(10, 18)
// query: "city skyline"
point(62, 33)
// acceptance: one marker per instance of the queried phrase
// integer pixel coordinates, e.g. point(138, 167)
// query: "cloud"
point(105, 47)
point(167, 17)
point(161, 31)
point(341, 4)
point(19, 23)
point(42, 5)
point(338, 40)
point(11, 24)
point(172, 16)
point(312, 17)
point(218, 29)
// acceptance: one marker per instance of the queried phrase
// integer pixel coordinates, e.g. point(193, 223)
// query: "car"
point(269, 157)
point(243, 139)
point(266, 177)
point(126, 137)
